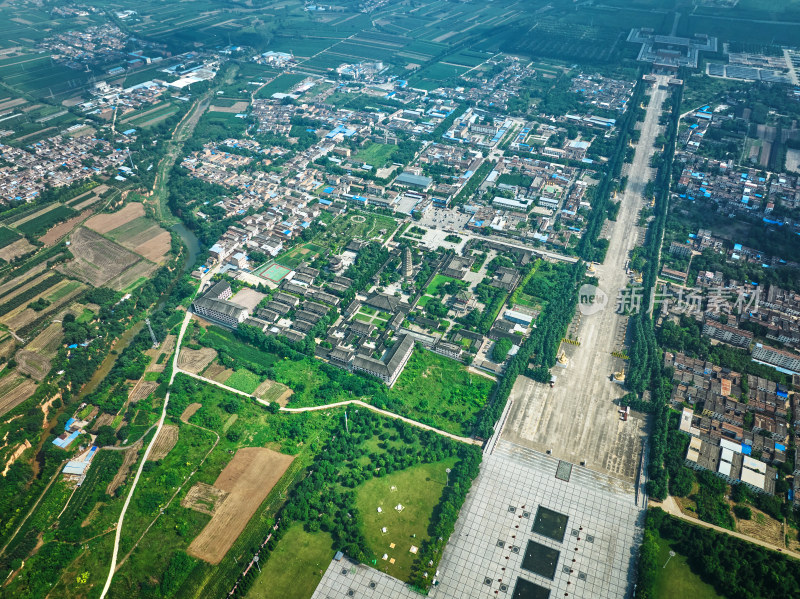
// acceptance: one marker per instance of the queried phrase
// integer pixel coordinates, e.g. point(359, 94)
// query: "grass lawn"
point(86, 316)
point(418, 489)
point(243, 380)
point(437, 282)
point(677, 579)
point(441, 392)
point(423, 300)
point(295, 567)
point(376, 154)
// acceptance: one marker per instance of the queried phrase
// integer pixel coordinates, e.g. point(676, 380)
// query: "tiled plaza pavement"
point(484, 557)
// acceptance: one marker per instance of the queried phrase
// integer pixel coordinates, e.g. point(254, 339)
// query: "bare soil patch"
point(165, 348)
point(141, 390)
point(127, 461)
point(217, 372)
point(155, 248)
point(166, 440)
point(195, 360)
point(762, 527)
point(16, 249)
point(57, 233)
point(236, 108)
point(248, 478)
point(204, 498)
point(97, 259)
point(33, 364)
point(190, 411)
point(103, 223)
point(273, 391)
point(104, 419)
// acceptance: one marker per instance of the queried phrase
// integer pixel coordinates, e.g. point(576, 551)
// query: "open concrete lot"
point(577, 420)
point(486, 553)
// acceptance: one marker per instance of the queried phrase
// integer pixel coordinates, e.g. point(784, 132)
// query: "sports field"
point(273, 272)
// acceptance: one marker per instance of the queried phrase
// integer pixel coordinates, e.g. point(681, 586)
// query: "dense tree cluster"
point(369, 261)
point(322, 500)
point(735, 568)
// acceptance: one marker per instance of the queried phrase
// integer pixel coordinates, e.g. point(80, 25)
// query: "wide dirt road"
point(577, 420)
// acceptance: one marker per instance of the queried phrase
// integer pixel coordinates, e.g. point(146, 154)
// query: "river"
point(192, 245)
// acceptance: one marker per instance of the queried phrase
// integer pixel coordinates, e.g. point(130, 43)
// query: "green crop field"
point(40, 224)
point(418, 489)
point(281, 84)
point(7, 236)
point(243, 380)
point(63, 291)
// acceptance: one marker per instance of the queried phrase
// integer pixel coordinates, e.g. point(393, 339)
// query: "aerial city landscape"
point(387, 299)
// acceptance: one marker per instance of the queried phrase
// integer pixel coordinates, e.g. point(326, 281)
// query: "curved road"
point(176, 369)
point(670, 506)
point(115, 554)
point(337, 404)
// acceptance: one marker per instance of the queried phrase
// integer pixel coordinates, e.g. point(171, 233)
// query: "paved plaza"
point(595, 513)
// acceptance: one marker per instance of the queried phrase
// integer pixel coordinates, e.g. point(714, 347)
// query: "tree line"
point(591, 247)
point(542, 344)
point(735, 568)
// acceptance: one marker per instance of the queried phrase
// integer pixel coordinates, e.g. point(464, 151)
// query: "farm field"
point(243, 380)
point(97, 260)
point(144, 237)
point(281, 84)
point(58, 295)
point(15, 249)
point(248, 479)
point(196, 360)
point(418, 489)
point(14, 389)
point(164, 443)
point(103, 223)
point(273, 391)
point(55, 234)
point(295, 566)
point(32, 364)
point(48, 341)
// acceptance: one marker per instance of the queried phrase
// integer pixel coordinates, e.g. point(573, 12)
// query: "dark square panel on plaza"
point(525, 589)
point(540, 559)
point(550, 524)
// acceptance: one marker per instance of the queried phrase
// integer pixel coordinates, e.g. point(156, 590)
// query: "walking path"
point(338, 404)
point(115, 554)
point(175, 370)
point(670, 506)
